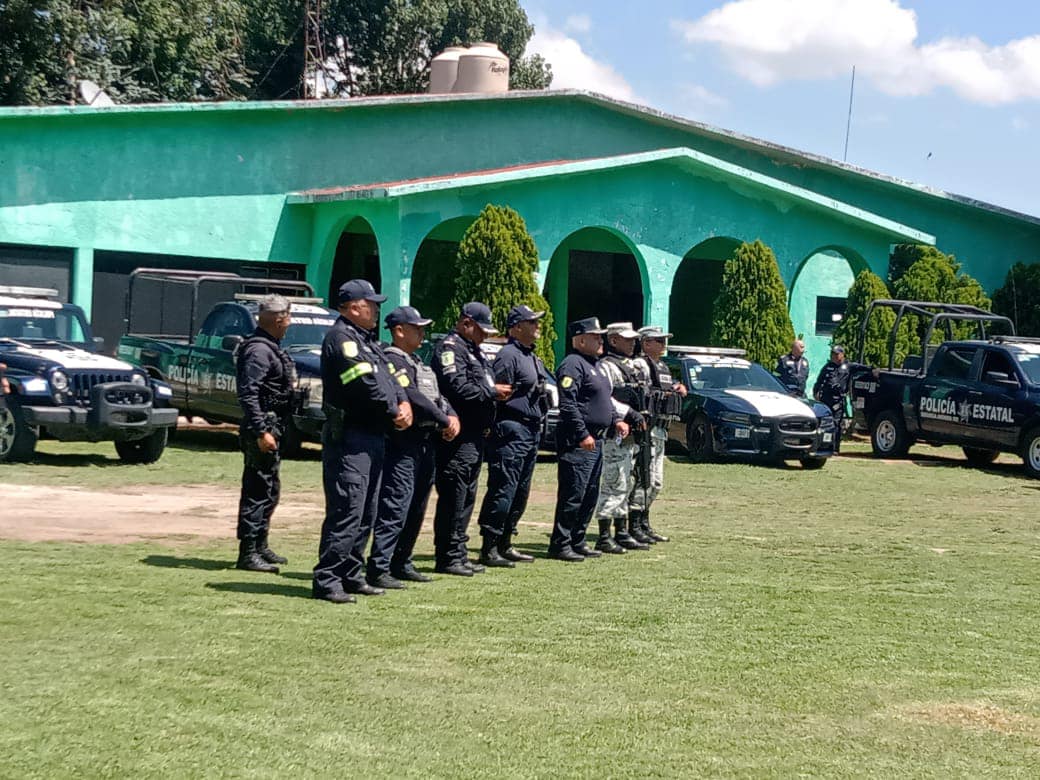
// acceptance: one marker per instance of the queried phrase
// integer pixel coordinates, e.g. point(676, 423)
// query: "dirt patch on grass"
point(976, 717)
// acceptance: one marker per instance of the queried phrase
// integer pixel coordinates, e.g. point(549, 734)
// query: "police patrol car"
point(735, 408)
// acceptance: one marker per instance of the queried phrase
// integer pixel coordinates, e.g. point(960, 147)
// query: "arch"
point(434, 271)
point(817, 297)
point(695, 286)
point(596, 272)
point(356, 255)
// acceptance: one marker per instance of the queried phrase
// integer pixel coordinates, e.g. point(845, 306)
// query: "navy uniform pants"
point(577, 492)
point(351, 470)
point(407, 482)
point(457, 473)
point(511, 454)
point(261, 488)
point(837, 407)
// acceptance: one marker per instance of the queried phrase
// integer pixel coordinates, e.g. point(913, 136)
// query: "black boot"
point(249, 558)
point(266, 552)
point(490, 556)
point(635, 527)
point(649, 531)
point(510, 553)
point(624, 538)
point(606, 542)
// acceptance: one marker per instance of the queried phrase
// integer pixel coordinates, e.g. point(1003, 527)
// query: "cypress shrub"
point(867, 287)
point(1019, 298)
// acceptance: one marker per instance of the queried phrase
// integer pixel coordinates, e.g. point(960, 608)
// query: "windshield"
point(306, 332)
point(749, 376)
point(29, 324)
point(1030, 363)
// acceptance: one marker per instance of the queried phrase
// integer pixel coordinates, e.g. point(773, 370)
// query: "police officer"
point(587, 415)
point(628, 388)
point(466, 380)
point(793, 369)
point(362, 403)
point(265, 376)
point(832, 387)
point(513, 446)
point(653, 342)
point(408, 468)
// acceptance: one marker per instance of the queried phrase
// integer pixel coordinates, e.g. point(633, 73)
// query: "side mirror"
point(1000, 379)
point(99, 343)
point(230, 343)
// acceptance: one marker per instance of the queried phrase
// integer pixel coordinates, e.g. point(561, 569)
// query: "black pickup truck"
point(198, 360)
point(982, 394)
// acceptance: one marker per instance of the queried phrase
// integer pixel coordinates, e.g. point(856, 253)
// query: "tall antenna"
point(848, 123)
point(313, 51)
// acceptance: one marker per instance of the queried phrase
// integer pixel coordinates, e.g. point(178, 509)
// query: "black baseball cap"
point(838, 348)
point(358, 289)
point(520, 314)
point(480, 314)
point(587, 325)
point(405, 315)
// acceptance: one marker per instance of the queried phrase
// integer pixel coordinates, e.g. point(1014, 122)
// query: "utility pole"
point(313, 51)
point(848, 124)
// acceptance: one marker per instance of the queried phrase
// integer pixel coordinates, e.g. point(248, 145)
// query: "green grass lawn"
point(869, 619)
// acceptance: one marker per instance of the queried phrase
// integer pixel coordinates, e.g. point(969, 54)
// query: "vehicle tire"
point(888, 436)
point(291, 445)
point(17, 440)
point(700, 440)
point(980, 457)
point(146, 450)
point(1031, 451)
point(813, 463)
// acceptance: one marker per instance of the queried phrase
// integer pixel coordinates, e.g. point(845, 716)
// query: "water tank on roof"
point(482, 68)
point(444, 68)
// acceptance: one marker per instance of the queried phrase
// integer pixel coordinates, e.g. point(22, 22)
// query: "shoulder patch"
point(402, 379)
point(350, 349)
point(447, 358)
point(566, 382)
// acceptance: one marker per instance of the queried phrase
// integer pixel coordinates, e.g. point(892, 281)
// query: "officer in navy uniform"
point(265, 376)
point(408, 468)
point(362, 403)
point(832, 387)
point(466, 380)
point(793, 369)
point(587, 415)
point(513, 447)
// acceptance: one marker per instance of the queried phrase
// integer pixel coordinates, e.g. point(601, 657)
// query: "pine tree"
point(751, 310)
point(497, 264)
point(1019, 298)
point(935, 276)
point(867, 287)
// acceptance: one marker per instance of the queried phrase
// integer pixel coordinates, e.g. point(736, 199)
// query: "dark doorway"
point(33, 266)
point(604, 285)
point(357, 257)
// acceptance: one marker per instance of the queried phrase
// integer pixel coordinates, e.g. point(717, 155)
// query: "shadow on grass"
point(74, 460)
point(935, 460)
point(173, 562)
point(225, 439)
point(262, 589)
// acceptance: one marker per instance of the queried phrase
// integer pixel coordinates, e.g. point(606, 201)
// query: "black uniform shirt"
point(356, 378)
point(264, 381)
point(518, 366)
point(586, 408)
point(794, 372)
point(427, 412)
point(832, 385)
point(466, 380)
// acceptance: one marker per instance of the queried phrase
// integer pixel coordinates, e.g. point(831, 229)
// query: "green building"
point(633, 211)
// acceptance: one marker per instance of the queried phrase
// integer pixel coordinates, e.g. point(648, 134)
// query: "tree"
point(877, 342)
point(1019, 298)
point(935, 276)
point(497, 264)
point(751, 310)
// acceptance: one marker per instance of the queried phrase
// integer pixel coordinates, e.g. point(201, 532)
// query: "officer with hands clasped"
point(832, 386)
point(408, 468)
point(793, 369)
point(513, 446)
point(466, 380)
point(362, 403)
point(587, 415)
point(265, 376)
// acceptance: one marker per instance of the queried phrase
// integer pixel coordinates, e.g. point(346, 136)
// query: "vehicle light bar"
point(29, 292)
point(729, 351)
point(290, 298)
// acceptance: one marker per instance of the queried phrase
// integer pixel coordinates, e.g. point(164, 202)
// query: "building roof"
point(696, 161)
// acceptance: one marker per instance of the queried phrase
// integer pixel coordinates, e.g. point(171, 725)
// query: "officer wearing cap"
point(587, 415)
point(653, 341)
point(793, 368)
point(408, 468)
point(362, 403)
point(832, 387)
point(465, 378)
point(265, 376)
point(513, 446)
point(628, 388)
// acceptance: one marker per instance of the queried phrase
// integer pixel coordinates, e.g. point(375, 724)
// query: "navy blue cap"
point(838, 348)
point(358, 289)
point(587, 325)
point(520, 314)
point(480, 314)
point(405, 315)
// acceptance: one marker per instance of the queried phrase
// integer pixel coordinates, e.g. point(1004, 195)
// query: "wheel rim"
point(1034, 454)
point(6, 431)
point(885, 436)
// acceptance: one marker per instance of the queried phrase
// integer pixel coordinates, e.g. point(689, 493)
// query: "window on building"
point(829, 314)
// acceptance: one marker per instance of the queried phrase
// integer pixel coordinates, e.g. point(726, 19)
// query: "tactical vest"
point(425, 379)
point(278, 400)
point(632, 391)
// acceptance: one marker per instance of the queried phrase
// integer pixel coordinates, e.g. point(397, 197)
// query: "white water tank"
point(482, 68)
point(444, 68)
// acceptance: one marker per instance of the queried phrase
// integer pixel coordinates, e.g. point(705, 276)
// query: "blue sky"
point(947, 93)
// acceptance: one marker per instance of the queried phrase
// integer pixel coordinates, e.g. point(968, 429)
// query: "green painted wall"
point(826, 274)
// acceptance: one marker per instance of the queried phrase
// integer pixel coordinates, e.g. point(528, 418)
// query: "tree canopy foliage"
point(1019, 298)
point(877, 340)
point(936, 276)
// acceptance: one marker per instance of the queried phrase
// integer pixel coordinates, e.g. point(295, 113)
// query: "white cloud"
point(574, 68)
point(700, 98)
point(578, 23)
point(770, 41)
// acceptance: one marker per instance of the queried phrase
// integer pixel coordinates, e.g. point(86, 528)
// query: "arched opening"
point(817, 299)
point(695, 287)
point(435, 269)
point(357, 256)
point(595, 272)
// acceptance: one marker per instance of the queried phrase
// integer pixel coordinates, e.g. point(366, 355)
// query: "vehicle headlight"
point(826, 421)
point(735, 417)
point(138, 379)
point(59, 381)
